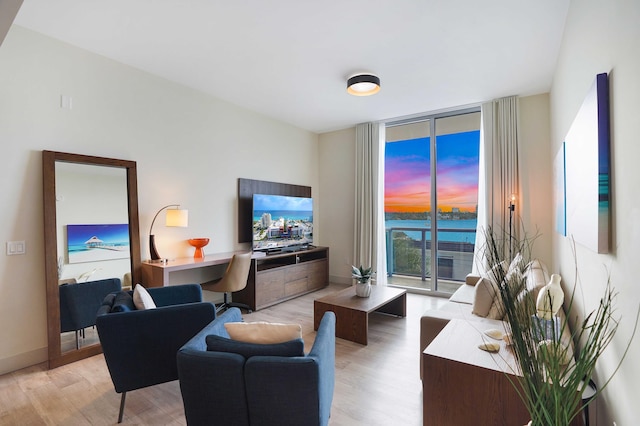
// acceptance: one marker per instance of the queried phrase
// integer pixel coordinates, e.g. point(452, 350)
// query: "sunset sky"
point(407, 173)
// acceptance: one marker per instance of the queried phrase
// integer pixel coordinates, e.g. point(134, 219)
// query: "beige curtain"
point(369, 238)
point(499, 170)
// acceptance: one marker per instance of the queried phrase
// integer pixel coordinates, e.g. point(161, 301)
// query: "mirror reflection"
point(92, 245)
point(92, 227)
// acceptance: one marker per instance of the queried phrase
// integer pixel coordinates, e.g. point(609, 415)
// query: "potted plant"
point(550, 380)
point(363, 278)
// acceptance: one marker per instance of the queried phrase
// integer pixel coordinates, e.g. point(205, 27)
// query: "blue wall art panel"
point(587, 171)
point(92, 243)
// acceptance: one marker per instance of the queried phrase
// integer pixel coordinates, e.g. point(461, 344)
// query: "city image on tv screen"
point(282, 222)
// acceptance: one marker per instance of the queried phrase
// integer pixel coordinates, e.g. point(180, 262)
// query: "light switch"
point(66, 102)
point(16, 247)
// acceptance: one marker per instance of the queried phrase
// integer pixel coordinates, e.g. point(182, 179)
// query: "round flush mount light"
point(363, 85)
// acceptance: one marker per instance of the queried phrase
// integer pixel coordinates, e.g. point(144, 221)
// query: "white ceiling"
point(289, 59)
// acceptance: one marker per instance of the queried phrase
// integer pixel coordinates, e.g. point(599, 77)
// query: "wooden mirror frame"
point(49, 159)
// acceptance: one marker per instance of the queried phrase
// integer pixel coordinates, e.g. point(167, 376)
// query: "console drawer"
point(270, 285)
point(295, 287)
point(295, 273)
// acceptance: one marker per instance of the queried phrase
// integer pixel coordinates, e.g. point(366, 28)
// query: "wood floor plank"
point(376, 384)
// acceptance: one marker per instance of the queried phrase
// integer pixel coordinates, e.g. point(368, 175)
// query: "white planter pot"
point(363, 289)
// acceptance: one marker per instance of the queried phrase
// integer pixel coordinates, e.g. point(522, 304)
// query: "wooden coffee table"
point(352, 312)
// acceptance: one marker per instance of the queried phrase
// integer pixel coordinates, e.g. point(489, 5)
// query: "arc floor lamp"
point(175, 217)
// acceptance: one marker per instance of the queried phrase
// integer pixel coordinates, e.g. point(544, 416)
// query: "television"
point(282, 222)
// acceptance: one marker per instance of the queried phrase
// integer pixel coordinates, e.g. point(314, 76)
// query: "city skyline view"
point(407, 174)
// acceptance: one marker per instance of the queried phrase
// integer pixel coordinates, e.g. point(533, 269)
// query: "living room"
point(191, 148)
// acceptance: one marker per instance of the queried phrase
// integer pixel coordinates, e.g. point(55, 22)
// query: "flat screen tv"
point(282, 223)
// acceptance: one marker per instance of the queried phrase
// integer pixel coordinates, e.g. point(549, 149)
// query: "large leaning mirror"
point(91, 233)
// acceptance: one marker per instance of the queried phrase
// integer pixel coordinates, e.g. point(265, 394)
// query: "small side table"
point(588, 393)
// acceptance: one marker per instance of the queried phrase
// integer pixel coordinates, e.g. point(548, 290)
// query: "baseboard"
point(23, 360)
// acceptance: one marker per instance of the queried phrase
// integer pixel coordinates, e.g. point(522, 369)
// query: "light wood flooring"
point(377, 384)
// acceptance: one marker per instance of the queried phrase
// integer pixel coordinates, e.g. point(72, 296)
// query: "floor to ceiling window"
point(431, 195)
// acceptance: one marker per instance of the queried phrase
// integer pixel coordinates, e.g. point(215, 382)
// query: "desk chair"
point(234, 279)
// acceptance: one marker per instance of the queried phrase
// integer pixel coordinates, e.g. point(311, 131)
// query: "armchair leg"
point(122, 399)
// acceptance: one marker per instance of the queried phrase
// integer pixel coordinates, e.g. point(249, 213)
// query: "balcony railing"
point(409, 256)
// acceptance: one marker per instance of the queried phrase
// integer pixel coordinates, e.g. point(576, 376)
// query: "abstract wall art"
point(587, 170)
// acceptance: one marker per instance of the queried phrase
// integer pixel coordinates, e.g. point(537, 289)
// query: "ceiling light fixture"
point(363, 85)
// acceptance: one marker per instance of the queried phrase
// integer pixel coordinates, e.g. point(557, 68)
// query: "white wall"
point(337, 160)
point(190, 149)
point(605, 37)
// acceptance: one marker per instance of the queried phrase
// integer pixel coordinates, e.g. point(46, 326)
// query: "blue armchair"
point(79, 303)
point(140, 346)
point(225, 388)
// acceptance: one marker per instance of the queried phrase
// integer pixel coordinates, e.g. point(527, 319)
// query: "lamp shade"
point(177, 217)
point(363, 85)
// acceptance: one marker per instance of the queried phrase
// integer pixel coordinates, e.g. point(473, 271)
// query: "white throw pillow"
point(513, 275)
point(497, 308)
point(483, 297)
point(263, 332)
point(142, 299)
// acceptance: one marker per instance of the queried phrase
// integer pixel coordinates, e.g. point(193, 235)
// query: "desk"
point(158, 274)
point(272, 278)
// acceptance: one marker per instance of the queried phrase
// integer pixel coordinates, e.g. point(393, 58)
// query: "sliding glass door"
point(431, 161)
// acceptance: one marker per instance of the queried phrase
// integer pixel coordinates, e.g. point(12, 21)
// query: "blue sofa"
point(140, 346)
point(229, 388)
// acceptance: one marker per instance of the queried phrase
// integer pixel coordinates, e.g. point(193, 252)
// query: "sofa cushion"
point(142, 299)
point(464, 294)
point(123, 302)
point(537, 277)
point(289, 348)
point(263, 332)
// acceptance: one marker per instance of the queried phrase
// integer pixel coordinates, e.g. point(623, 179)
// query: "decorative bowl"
point(198, 243)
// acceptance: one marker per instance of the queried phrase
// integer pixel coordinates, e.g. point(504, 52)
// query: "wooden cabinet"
point(466, 386)
point(274, 278)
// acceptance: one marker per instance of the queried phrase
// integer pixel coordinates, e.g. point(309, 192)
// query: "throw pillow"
point(123, 302)
point(263, 332)
point(513, 277)
point(486, 291)
point(142, 299)
point(497, 308)
point(222, 344)
point(517, 264)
